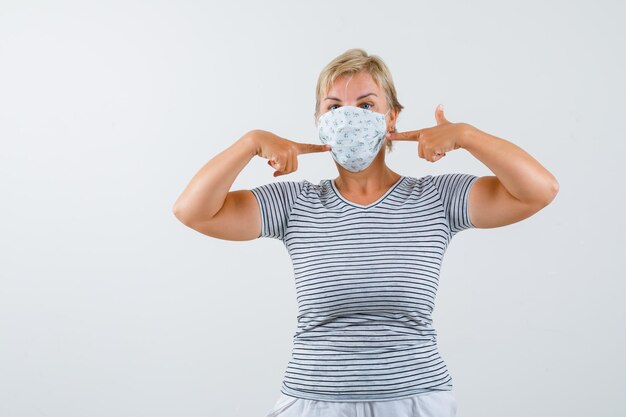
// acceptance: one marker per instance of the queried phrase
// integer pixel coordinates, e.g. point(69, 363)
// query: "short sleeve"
point(276, 200)
point(454, 193)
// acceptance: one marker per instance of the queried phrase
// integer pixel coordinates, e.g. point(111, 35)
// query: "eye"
point(367, 104)
point(331, 107)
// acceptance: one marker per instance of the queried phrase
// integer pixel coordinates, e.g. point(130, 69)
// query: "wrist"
point(467, 136)
point(248, 140)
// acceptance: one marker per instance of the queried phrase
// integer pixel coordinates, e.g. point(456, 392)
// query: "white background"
point(109, 306)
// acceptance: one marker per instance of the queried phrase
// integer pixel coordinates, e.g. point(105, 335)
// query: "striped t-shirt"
point(366, 279)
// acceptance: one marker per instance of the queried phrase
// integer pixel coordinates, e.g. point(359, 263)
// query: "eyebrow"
point(358, 98)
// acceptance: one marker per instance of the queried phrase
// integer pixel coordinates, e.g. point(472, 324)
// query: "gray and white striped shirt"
point(366, 279)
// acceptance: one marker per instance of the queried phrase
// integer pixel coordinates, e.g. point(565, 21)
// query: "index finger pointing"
point(413, 135)
point(311, 147)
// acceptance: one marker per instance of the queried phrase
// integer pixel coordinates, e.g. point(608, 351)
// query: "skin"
point(370, 184)
point(520, 187)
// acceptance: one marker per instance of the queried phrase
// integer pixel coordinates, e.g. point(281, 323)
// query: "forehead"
point(352, 85)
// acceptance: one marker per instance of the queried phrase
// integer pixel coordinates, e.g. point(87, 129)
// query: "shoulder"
point(453, 183)
point(440, 184)
point(320, 188)
point(418, 183)
point(294, 188)
point(446, 181)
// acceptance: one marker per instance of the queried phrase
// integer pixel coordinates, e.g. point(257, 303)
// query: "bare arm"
point(207, 205)
point(520, 188)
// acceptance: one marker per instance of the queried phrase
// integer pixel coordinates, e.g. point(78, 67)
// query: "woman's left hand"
point(434, 142)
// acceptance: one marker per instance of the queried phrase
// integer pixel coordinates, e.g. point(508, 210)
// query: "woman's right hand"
point(282, 154)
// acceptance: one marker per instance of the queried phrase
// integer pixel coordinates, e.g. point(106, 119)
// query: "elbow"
point(551, 192)
point(180, 208)
point(545, 195)
point(179, 213)
point(185, 215)
point(555, 188)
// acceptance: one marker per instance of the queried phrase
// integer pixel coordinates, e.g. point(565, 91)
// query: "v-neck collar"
point(381, 198)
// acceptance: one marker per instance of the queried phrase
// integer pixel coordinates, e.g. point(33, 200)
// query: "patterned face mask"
point(355, 135)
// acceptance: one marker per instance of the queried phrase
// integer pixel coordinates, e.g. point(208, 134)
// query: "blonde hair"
point(350, 62)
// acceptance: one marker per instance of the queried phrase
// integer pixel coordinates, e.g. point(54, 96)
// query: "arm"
point(520, 188)
point(206, 205)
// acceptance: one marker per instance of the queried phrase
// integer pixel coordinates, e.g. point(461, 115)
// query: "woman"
point(367, 246)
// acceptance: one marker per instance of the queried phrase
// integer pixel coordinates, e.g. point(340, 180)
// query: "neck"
point(373, 178)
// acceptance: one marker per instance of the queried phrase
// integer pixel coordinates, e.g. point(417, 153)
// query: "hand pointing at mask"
point(282, 154)
point(434, 142)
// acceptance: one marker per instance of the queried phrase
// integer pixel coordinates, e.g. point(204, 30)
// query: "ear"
point(393, 120)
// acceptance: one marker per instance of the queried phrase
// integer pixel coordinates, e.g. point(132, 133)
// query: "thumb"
point(312, 147)
point(441, 119)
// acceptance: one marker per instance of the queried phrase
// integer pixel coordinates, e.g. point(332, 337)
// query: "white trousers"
point(431, 404)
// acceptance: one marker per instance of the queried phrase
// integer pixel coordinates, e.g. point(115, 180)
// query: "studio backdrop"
point(110, 306)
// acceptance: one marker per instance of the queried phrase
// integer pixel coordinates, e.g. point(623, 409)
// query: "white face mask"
point(355, 135)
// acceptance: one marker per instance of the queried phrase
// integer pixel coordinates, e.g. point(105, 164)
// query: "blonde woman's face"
point(359, 90)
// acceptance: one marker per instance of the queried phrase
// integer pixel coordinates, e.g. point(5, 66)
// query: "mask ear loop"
point(394, 128)
point(317, 121)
